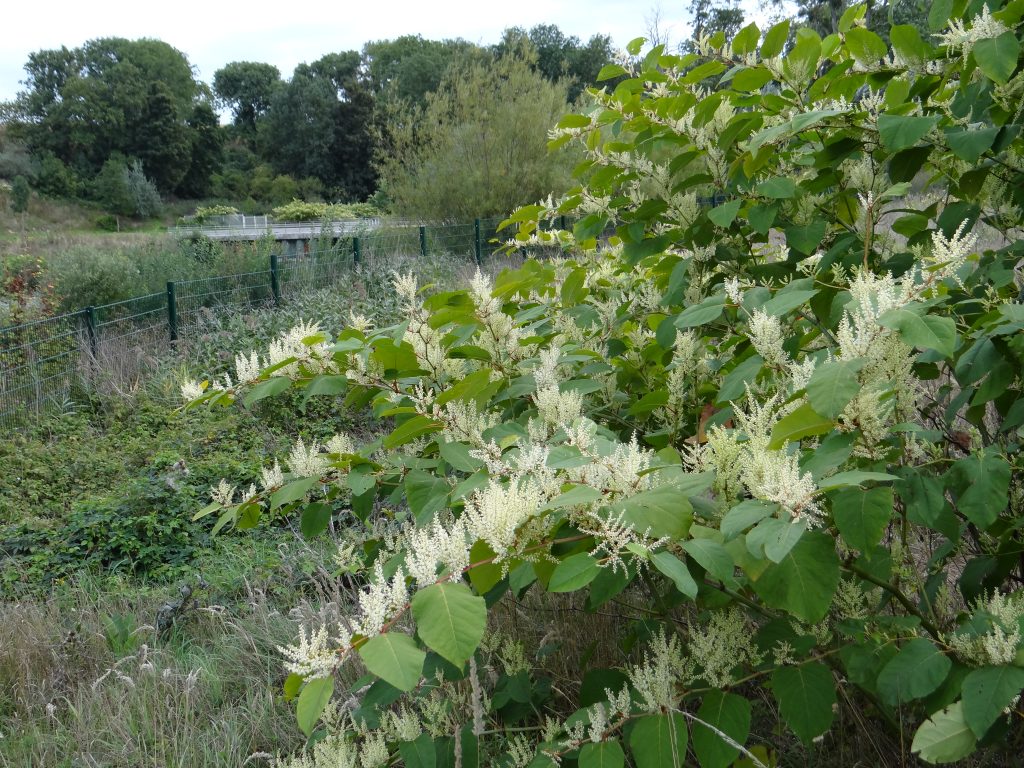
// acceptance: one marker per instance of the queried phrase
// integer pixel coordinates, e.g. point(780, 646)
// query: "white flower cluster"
point(720, 645)
point(655, 678)
point(999, 644)
point(963, 38)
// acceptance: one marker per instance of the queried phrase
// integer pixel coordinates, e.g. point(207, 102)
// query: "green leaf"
point(712, 557)
point(922, 331)
point(853, 477)
point(900, 132)
point(985, 480)
point(315, 518)
point(457, 454)
point(574, 573)
point(805, 581)
point(803, 422)
point(676, 570)
point(806, 694)
point(293, 491)
point(735, 382)
point(725, 712)
point(450, 619)
point(605, 754)
point(724, 214)
point(312, 701)
point(777, 188)
point(576, 496)
point(917, 670)
point(699, 314)
point(786, 301)
point(327, 384)
point(862, 515)
point(394, 658)
point(426, 494)
point(833, 385)
point(419, 753)
point(997, 56)
point(938, 14)
point(744, 515)
point(659, 741)
point(986, 692)
point(610, 71)
point(664, 510)
point(272, 386)
point(969, 144)
point(945, 737)
point(745, 40)
point(866, 46)
point(410, 429)
point(774, 40)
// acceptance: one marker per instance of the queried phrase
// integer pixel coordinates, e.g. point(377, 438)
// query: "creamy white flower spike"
point(307, 462)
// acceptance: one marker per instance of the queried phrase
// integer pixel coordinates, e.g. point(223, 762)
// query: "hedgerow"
point(784, 430)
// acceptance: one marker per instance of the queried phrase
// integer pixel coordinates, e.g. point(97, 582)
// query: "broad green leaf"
point(426, 494)
point(986, 692)
point(777, 188)
point(457, 454)
point(899, 132)
point(774, 40)
point(744, 515)
point(573, 573)
point(659, 741)
point(997, 56)
point(917, 670)
point(676, 570)
point(922, 331)
point(450, 619)
point(833, 385)
point(866, 46)
point(724, 214)
point(395, 658)
point(725, 712)
point(664, 510)
point(712, 557)
point(275, 385)
point(293, 491)
point(410, 429)
point(483, 576)
point(745, 40)
point(699, 314)
point(862, 515)
point(938, 14)
point(945, 737)
point(788, 536)
point(610, 71)
point(326, 384)
point(906, 41)
point(805, 581)
point(605, 754)
point(315, 518)
point(969, 144)
point(419, 753)
point(786, 301)
point(734, 385)
point(854, 477)
point(312, 702)
point(578, 495)
point(806, 694)
point(803, 422)
point(985, 482)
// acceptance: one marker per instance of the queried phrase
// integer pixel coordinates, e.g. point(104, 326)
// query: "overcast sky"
point(212, 34)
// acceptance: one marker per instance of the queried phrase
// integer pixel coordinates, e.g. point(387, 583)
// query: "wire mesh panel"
point(217, 293)
point(317, 268)
point(38, 362)
point(139, 320)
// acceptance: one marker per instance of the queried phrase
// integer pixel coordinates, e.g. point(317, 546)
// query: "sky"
point(212, 34)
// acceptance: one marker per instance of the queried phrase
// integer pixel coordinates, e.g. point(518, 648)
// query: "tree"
point(247, 88)
point(711, 16)
point(478, 147)
point(20, 193)
point(559, 56)
point(409, 67)
point(207, 152)
point(162, 141)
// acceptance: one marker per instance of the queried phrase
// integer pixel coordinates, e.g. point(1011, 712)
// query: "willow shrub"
point(792, 420)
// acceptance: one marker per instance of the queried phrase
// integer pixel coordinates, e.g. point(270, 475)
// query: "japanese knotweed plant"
point(771, 387)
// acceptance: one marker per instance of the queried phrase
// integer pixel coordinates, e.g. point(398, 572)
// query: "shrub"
point(776, 439)
point(54, 178)
point(143, 193)
point(108, 223)
point(84, 276)
point(20, 194)
point(206, 212)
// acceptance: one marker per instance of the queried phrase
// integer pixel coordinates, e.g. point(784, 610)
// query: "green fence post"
point(423, 242)
point(476, 240)
point(357, 250)
point(172, 310)
point(90, 327)
point(275, 284)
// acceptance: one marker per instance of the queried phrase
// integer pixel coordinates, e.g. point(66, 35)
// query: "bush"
point(123, 189)
point(108, 223)
point(764, 454)
point(84, 277)
point(20, 193)
point(143, 193)
point(54, 178)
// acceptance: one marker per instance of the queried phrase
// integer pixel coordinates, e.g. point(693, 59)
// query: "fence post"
point(172, 310)
point(476, 240)
point(90, 327)
point(357, 250)
point(561, 221)
point(423, 241)
point(275, 284)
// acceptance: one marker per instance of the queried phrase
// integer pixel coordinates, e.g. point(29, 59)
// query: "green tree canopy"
point(247, 88)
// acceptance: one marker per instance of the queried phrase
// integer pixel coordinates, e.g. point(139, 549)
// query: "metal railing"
point(45, 363)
